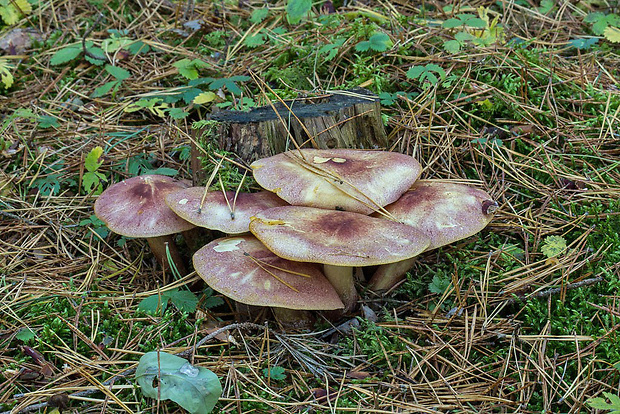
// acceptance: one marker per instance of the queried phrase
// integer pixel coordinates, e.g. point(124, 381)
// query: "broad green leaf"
point(185, 300)
point(6, 77)
point(91, 162)
point(186, 69)
point(602, 404)
point(379, 42)
point(25, 335)
point(66, 54)
point(553, 246)
point(258, 15)
point(439, 284)
point(177, 113)
point(297, 9)
point(189, 95)
point(196, 389)
point(452, 46)
point(138, 47)
point(96, 51)
point(612, 34)
point(105, 88)
point(155, 304)
point(276, 373)
point(9, 14)
point(204, 97)
point(47, 121)
point(254, 40)
point(583, 43)
point(171, 172)
point(93, 179)
point(546, 6)
point(119, 73)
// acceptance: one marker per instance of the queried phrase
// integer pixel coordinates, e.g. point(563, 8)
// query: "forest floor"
point(519, 98)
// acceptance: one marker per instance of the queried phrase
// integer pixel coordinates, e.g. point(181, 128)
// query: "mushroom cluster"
point(332, 211)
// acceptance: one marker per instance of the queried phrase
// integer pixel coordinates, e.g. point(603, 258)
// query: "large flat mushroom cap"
point(243, 269)
point(216, 210)
point(135, 207)
point(337, 238)
point(445, 212)
point(338, 179)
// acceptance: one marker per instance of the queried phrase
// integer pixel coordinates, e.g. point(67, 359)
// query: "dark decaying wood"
point(341, 119)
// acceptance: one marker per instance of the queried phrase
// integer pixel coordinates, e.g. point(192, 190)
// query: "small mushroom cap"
point(338, 179)
point(445, 212)
point(216, 211)
point(339, 238)
point(243, 269)
point(135, 207)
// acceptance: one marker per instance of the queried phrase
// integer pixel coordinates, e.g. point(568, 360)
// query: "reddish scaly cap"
point(445, 212)
point(337, 238)
point(243, 269)
point(221, 211)
point(135, 207)
point(338, 179)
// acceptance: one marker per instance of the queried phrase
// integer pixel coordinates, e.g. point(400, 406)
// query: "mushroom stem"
point(388, 275)
point(294, 319)
point(341, 278)
point(158, 247)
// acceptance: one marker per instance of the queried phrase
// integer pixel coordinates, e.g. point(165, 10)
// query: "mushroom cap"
point(339, 238)
point(338, 179)
point(445, 212)
point(243, 269)
point(216, 213)
point(135, 207)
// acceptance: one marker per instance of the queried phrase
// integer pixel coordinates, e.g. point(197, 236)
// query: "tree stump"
point(342, 119)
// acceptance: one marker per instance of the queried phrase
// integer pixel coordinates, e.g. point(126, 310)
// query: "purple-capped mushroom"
point(135, 207)
point(360, 181)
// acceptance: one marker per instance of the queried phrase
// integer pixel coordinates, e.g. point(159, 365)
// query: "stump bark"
point(342, 119)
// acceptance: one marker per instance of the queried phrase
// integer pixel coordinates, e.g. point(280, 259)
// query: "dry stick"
point(554, 291)
point(88, 32)
point(129, 371)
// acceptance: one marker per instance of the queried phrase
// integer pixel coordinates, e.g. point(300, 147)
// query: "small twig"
point(129, 371)
point(88, 32)
point(553, 291)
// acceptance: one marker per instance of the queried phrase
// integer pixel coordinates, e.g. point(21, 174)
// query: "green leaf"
point(6, 77)
point(452, 46)
point(93, 179)
point(276, 373)
point(229, 83)
point(258, 15)
point(196, 389)
point(204, 97)
point(96, 51)
point(119, 73)
point(546, 6)
point(553, 246)
point(602, 404)
point(25, 335)
point(177, 113)
point(440, 284)
point(379, 42)
point(66, 54)
point(47, 121)
point(583, 43)
point(105, 88)
point(138, 47)
point(297, 9)
point(612, 34)
point(186, 69)
point(155, 304)
point(184, 300)
point(91, 162)
point(255, 40)
point(170, 172)
point(212, 302)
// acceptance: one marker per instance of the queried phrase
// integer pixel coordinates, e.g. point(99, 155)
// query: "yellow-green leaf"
point(91, 162)
point(612, 34)
point(24, 6)
point(204, 98)
point(6, 78)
